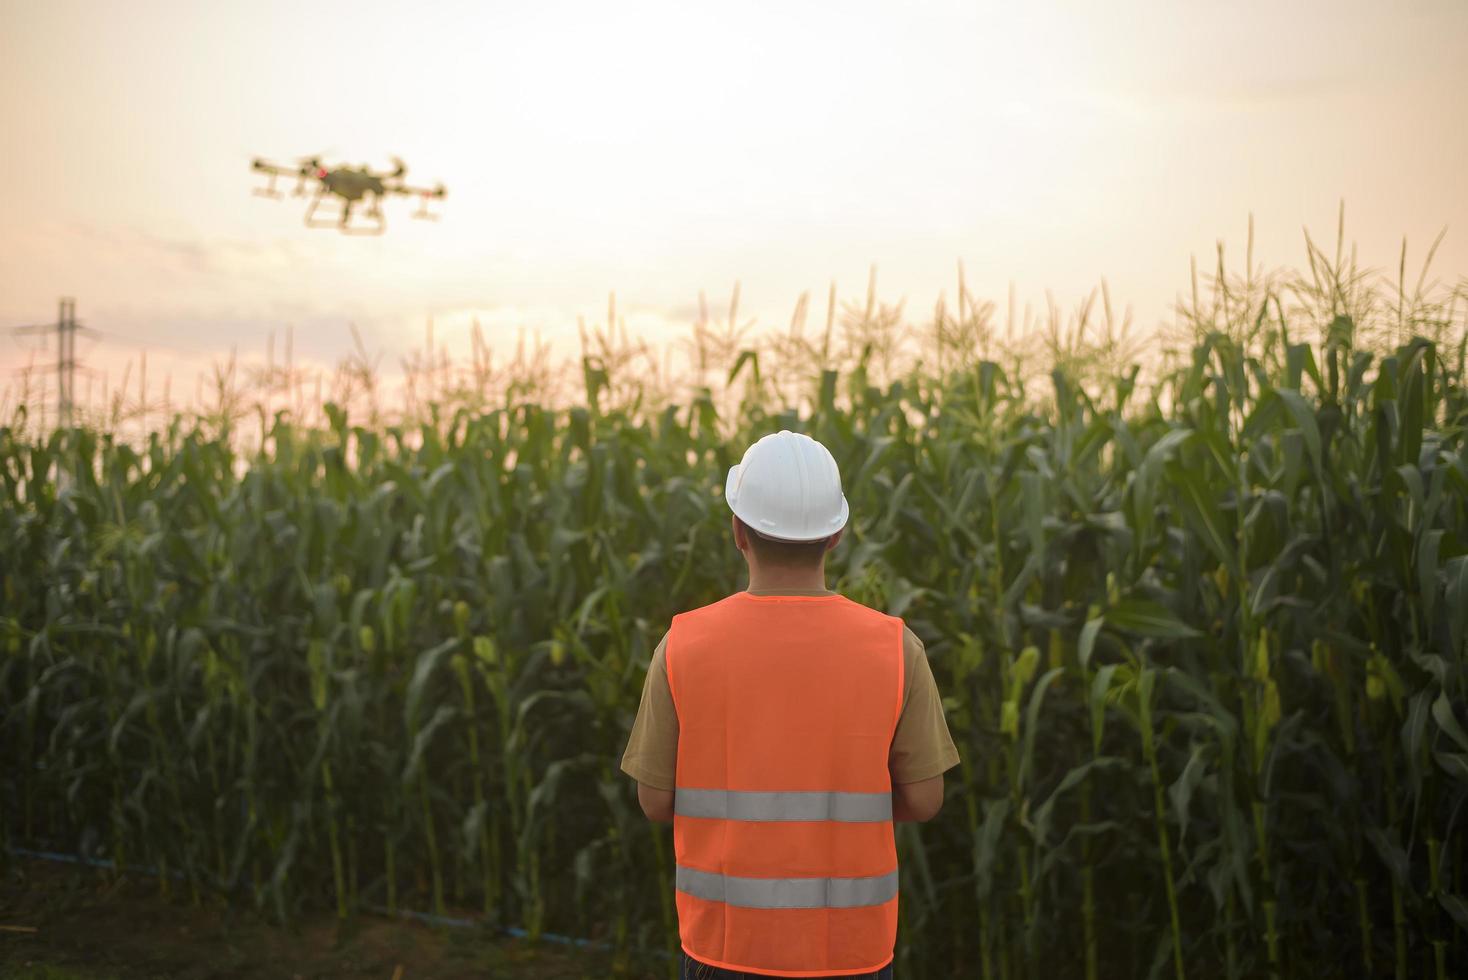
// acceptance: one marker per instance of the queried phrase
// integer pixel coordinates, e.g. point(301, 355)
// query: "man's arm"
point(922, 749)
point(918, 802)
point(652, 748)
point(657, 804)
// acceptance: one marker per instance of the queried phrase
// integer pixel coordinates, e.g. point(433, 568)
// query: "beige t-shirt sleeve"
point(921, 747)
point(652, 750)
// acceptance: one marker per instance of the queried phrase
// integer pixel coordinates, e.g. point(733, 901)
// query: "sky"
point(661, 149)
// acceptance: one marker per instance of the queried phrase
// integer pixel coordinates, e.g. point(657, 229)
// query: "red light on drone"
point(320, 172)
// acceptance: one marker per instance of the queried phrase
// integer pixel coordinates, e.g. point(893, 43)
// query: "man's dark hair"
point(785, 554)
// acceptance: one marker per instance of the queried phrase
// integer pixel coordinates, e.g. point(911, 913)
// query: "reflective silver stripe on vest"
point(788, 893)
point(733, 804)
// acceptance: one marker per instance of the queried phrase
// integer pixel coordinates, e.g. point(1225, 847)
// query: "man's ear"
point(831, 541)
point(741, 534)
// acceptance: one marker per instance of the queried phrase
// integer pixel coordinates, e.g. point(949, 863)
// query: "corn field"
point(1202, 640)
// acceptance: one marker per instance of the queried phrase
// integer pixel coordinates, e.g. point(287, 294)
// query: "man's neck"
point(788, 580)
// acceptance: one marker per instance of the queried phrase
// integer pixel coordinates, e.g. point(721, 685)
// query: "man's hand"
point(918, 801)
point(656, 803)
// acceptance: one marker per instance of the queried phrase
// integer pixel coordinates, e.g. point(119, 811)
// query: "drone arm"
point(275, 170)
point(407, 190)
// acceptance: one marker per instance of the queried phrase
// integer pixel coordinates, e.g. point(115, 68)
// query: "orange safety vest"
point(782, 809)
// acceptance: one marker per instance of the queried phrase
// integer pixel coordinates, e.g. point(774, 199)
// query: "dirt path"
point(87, 927)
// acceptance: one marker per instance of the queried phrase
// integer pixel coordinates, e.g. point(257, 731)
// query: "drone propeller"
point(399, 168)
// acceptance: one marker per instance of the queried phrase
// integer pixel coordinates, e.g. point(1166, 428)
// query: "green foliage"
point(1202, 647)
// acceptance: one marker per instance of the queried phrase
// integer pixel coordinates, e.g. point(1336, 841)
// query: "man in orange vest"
point(782, 730)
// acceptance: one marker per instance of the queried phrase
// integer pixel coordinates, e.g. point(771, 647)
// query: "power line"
point(168, 346)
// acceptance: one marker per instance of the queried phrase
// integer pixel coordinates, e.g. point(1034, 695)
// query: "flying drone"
point(351, 185)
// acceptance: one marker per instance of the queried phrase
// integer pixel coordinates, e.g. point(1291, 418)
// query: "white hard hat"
point(787, 487)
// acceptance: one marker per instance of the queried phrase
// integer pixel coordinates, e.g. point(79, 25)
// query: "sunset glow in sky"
point(657, 149)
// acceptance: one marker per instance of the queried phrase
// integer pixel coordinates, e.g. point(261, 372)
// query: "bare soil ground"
point(60, 922)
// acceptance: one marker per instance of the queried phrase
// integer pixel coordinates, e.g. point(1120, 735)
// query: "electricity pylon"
point(66, 328)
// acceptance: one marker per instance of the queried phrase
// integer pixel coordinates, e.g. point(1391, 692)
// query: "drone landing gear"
point(343, 222)
point(268, 190)
point(374, 213)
